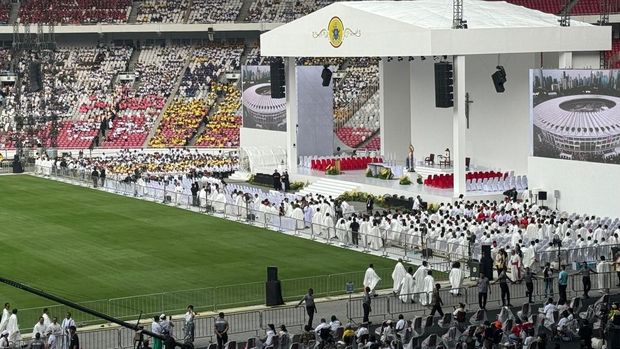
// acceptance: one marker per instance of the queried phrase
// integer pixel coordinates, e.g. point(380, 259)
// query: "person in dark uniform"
point(75, 341)
point(366, 304)
point(355, 228)
point(102, 176)
point(95, 176)
point(310, 305)
point(276, 180)
point(437, 302)
point(286, 180)
point(221, 330)
point(370, 203)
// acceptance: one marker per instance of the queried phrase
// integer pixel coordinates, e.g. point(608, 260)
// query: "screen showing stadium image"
point(259, 109)
point(575, 114)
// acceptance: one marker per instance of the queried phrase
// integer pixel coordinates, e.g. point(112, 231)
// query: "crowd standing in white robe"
point(371, 279)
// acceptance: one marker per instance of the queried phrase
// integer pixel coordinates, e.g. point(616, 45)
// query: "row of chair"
point(348, 163)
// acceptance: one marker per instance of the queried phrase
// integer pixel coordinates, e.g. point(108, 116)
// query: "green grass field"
point(85, 245)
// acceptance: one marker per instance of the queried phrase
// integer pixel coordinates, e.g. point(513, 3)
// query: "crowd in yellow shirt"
point(180, 121)
point(222, 129)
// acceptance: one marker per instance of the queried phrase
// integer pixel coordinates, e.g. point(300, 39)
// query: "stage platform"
point(357, 180)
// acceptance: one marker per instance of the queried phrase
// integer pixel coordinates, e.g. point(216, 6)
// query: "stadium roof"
point(424, 28)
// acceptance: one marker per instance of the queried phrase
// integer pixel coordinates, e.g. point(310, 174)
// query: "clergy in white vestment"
point(515, 266)
point(178, 194)
point(419, 276)
point(428, 287)
point(603, 268)
point(46, 318)
point(374, 237)
point(456, 279)
point(397, 275)
point(328, 226)
point(219, 202)
point(298, 216)
point(6, 313)
point(341, 230)
point(528, 255)
point(13, 327)
point(317, 222)
point(67, 322)
point(407, 287)
point(371, 279)
point(39, 328)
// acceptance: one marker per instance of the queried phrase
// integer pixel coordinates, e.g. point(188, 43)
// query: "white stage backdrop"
point(315, 135)
point(575, 114)
point(259, 109)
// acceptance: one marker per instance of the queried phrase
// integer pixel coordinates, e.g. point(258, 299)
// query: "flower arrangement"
point(358, 196)
point(404, 180)
point(369, 173)
point(332, 170)
point(419, 180)
point(385, 173)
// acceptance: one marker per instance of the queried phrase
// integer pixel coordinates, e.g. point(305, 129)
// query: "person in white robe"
point(54, 331)
point(374, 237)
point(46, 318)
point(328, 226)
point(427, 288)
point(67, 322)
point(6, 313)
point(341, 230)
point(515, 266)
point(407, 287)
point(39, 328)
point(419, 276)
point(371, 279)
point(528, 255)
point(317, 222)
point(397, 276)
point(219, 203)
point(298, 216)
point(456, 279)
point(603, 268)
point(13, 327)
point(178, 194)
point(364, 231)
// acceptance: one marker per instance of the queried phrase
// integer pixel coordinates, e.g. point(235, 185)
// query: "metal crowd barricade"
point(290, 316)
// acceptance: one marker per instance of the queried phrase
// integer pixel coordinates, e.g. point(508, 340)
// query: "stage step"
point(240, 176)
point(427, 171)
point(329, 187)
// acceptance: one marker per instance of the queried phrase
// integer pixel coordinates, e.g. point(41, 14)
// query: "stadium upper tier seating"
point(222, 129)
point(614, 55)
point(75, 12)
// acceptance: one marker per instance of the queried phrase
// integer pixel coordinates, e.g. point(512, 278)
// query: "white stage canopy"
point(424, 28)
point(421, 28)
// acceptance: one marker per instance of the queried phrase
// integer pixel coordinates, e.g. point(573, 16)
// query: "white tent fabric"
point(424, 28)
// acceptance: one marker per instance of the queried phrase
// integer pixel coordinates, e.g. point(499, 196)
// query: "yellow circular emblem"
point(335, 31)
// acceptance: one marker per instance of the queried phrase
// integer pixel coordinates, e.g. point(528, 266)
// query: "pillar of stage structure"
point(395, 108)
point(565, 60)
point(291, 114)
point(458, 126)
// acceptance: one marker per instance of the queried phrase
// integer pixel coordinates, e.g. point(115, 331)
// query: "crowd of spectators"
point(75, 12)
point(214, 11)
point(222, 129)
point(157, 70)
point(132, 162)
point(162, 11)
point(179, 123)
point(282, 11)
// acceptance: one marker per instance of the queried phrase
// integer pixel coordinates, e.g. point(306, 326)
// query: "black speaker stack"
point(36, 80)
point(277, 79)
point(444, 85)
point(273, 288)
point(542, 195)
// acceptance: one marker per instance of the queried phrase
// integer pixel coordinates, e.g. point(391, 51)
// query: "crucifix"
point(467, 103)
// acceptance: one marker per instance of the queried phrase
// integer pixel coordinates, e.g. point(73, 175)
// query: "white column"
point(565, 60)
point(458, 126)
point(291, 114)
point(395, 108)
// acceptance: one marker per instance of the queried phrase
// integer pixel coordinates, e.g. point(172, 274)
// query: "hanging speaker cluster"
point(278, 82)
point(36, 80)
point(499, 79)
point(444, 85)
